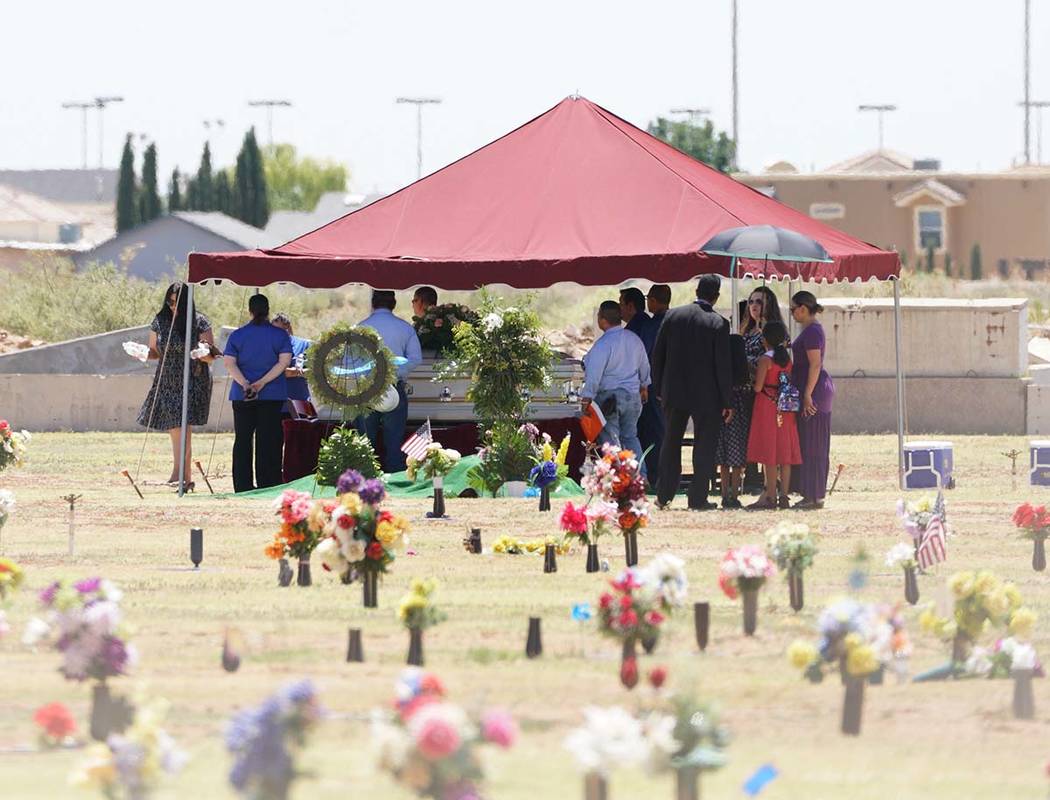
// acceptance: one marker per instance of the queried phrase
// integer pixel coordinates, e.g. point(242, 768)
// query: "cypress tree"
point(175, 192)
point(126, 200)
point(931, 258)
point(192, 195)
point(205, 185)
point(223, 193)
point(976, 269)
point(250, 201)
point(948, 264)
point(150, 203)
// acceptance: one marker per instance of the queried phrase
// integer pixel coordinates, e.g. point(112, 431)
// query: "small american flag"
point(931, 547)
point(415, 446)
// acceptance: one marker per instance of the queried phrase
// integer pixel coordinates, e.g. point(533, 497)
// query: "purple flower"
point(461, 790)
point(114, 656)
point(543, 474)
point(372, 492)
point(88, 585)
point(349, 481)
point(47, 597)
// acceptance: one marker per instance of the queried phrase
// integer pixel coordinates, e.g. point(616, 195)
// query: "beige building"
point(911, 205)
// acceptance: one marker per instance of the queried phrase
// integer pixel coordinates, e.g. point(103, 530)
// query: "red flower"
point(385, 516)
point(654, 618)
point(727, 586)
point(628, 520)
point(1024, 515)
point(657, 676)
point(573, 519)
point(605, 600)
point(3, 425)
point(431, 684)
point(56, 721)
point(628, 619)
point(375, 551)
point(345, 521)
point(629, 672)
point(625, 601)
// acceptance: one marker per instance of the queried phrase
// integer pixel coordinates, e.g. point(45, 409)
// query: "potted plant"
point(346, 449)
point(792, 546)
point(505, 459)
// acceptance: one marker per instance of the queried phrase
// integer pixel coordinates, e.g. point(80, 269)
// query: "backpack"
point(788, 398)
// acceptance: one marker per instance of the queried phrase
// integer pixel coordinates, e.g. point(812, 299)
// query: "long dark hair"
point(259, 308)
point(776, 334)
point(770, 309)
point(179, 290)
point(809, 300)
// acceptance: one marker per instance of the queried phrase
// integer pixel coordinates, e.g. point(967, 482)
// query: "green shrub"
point(507, 454)
point(346, 449)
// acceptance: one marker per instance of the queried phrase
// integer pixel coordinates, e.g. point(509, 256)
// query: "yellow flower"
point(961, 584)
point(548, 451)
point(930, 622)
point(410, 602)
point(387, 533)
point(351, 502)
point(801, 653)
point(860, 660)
point(563, 451)
point(97, 770)
point(852, 640)
point(1013, 595)
point(1022, 622)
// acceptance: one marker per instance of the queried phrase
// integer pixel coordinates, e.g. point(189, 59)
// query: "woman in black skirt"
point(162, 410)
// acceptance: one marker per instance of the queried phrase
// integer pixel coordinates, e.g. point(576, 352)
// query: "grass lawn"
point(934, 740)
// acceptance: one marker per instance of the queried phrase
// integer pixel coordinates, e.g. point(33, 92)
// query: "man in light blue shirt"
point(617, 379)
point(400, 337)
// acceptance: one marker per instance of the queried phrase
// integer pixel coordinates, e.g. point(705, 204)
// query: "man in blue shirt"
point(400, 337)
point(632, 311)
point(298, 388)
point(617, 379)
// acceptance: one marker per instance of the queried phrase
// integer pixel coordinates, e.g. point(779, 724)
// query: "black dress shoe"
point(731, 503)
point(705, 506)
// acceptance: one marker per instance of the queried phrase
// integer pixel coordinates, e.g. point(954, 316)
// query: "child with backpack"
point(773, 439)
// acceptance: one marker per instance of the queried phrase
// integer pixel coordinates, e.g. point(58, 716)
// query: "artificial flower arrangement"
point(902, 556)
point(637, 606)
point(437, 462)
point(862, 640)
point(417, 612)
point(436, 328)
point(616, 477)
point(131, 764)
point(587, 523)
point(743, 571)
point(264, 741)
point(509, 545)
point(792, 546)
point(550, 469)
point(673, 731)
point(431, 746)
point(56, 724)
point(301, 529)
point(981, 601)
point(13, 446)
point(360, 539)
point(1034, 522)
point(83, 622)
point(11, 577)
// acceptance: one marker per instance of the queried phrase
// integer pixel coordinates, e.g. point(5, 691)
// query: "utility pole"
point(694, 113)
point(83, 128)
point(100, 103)
point(880, 110)
point(1027, 82)
point(736, 90)
point(1040, 105)
point(419, 102)
point(269, 105)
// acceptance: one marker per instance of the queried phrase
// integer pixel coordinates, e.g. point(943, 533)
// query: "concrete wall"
point(29, 231)
point(943, 338)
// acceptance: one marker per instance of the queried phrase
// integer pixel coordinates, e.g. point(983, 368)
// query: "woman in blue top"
point(256, 357)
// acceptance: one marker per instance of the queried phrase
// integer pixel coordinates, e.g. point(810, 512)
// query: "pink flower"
point(654, 618)
point(437, 738)
point(573, 519)
point(499, 728)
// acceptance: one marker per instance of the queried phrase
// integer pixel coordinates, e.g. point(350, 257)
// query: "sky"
point(953, 67)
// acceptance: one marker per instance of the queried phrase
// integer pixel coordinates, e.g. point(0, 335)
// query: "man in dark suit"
point(691, 375)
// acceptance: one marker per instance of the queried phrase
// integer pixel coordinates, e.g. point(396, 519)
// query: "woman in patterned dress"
point(762, 307)
point(162, 410)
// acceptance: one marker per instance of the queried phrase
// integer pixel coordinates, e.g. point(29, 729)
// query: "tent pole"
point(732, 281)
point(900, 381)
point(185, 390)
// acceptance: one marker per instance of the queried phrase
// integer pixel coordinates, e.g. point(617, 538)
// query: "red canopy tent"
point(577, 194)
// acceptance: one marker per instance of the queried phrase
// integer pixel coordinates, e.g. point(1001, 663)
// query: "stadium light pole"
point(83, 128)
point(100, 103)
point(1027, 82)
point(1039, 105)
point(736, 87)
point(270, 105)
point(880, 110)
point(419, 102)
point(694, 113)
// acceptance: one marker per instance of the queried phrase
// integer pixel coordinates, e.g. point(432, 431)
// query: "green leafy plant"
point(503, 354)
point(508, 454)
point(346, 449)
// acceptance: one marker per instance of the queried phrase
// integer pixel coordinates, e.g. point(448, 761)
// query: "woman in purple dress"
point(817, 390)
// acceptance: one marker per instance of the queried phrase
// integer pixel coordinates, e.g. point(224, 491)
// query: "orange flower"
point(628, 520)
point(626, 455)
point(275, 550)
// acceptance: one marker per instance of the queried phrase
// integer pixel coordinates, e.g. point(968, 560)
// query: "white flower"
point(610, 737)
point(36, 630)
point(1023, 657)
point(391, 743)
point(329, 554)
point(979, 662)
point(102, 617)
point(658, 731)
point(491, 322)
point(354, 550)
point(109, 590)
point(7, 503)
point(901, 554)
point(666, 574)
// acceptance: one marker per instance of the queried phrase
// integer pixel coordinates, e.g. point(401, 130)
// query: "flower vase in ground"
point(911, 586)
point(750, 601)
point(534, 639)
point(370, 588)
point(701, 623)
point(109, 714)
point(1034, 521)
point(545, 498)
point(284, 573)
point(550, 558)
point(630, 547)
point(593, 564)
point(1024, 699)
point(853, 704)
point(629, 664)
point(303, 576)
point(687, 783)
point(795, 590)
point(415, 647)
point(1039, 554)
point(595, 787)
point(649, 642)
point(438, 511)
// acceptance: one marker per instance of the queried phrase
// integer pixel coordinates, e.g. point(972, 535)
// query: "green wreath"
point(349, 368)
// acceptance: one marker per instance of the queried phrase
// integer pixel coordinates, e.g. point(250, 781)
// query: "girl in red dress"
point(773, 440)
